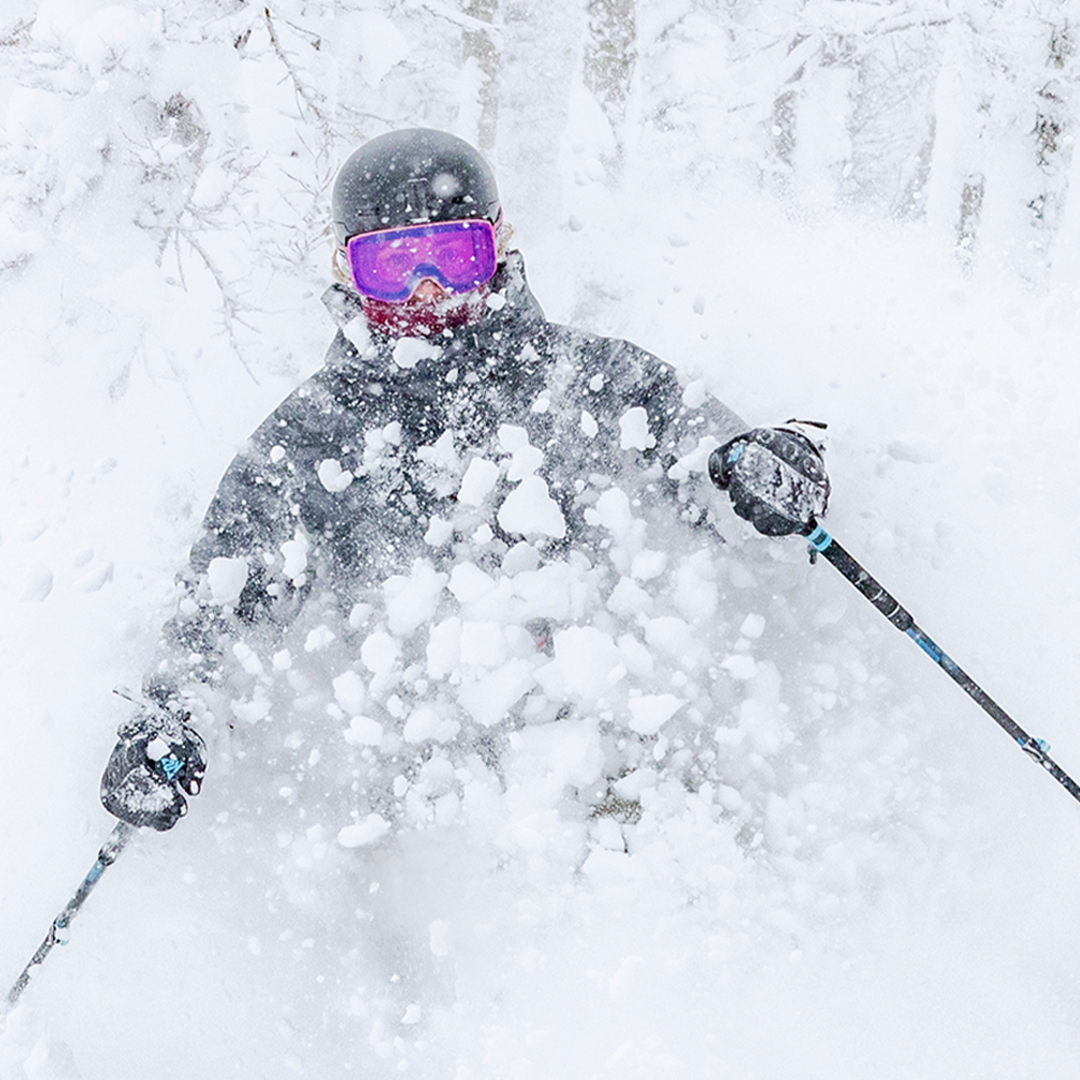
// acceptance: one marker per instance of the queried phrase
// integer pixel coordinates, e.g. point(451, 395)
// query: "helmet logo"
point(416, 199)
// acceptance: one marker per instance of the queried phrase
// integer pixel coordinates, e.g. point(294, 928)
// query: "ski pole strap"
point(1036, 749)
point(112, 847)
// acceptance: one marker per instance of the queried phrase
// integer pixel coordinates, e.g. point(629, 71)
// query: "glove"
point(157, 759)
point(776, 479)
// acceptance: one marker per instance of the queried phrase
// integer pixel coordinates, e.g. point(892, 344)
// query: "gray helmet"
point(409, 178)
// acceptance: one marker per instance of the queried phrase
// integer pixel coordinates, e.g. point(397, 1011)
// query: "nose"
point(428, 291)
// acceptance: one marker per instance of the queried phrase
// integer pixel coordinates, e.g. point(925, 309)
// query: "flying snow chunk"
point(333, 477)
point(648, 565)
point(612, 511)
point(694, 393)
point(319, 638)
point(227, 578)
point(294, 553)
point(469, 583)
point(628, 598)
point(439, 532)
point(696, 461)
point(356, 331)
point(634, 430)
point(563, 752)
point(379, 652)
point(522, 557)
point(441, 453)
point(363, 731)
point(584, 657)
point(650, 712)
point(753, 626)
point(248, 658)
point(251, 712)
point(740, 667)
point(634, 783)
point(526, 458)
point(762, 726)
point(349, 692)
point(512, 437)
point(671, 634)
point(360, 615)
point(490, 697)
point(426, 724)
point(530, 511)
point(479, 479)
point(411, 601)
point(409, 351)
point(369, 831)
point(444, 647)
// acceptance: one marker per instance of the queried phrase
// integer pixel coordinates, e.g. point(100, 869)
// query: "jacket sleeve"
point(673, 422)
point(254, 560)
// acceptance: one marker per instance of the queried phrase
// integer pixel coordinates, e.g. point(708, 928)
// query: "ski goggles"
point(388, 265)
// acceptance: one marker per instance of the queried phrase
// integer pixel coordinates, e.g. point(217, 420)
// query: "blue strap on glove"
point(157, 760)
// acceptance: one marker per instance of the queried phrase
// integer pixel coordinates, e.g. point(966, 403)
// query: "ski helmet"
point(409, 178)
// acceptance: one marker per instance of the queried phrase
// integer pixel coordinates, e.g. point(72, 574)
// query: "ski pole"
point(112, 847)
point(822, 543)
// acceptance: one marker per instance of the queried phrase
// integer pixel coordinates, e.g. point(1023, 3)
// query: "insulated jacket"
point(495, 437)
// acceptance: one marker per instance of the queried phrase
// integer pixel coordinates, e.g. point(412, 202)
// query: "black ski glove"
point(157, 759)
point(776, 479)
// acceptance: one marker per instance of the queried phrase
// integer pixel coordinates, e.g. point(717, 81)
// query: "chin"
point(426, 318)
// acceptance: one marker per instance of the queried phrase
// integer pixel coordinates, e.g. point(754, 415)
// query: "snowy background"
point(856, 212)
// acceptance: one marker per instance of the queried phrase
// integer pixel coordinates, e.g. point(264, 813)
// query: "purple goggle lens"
point(388, 265)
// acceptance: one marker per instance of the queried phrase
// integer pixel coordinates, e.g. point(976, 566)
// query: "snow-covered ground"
point(837, 866)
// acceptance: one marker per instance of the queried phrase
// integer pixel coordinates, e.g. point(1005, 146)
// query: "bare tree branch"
point(300, 89)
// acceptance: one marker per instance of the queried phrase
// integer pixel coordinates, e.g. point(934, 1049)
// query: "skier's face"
point(427, 292)
point(426, 279)
point(429, 310)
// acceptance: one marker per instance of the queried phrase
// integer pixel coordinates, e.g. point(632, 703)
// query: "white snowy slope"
point(768, 838)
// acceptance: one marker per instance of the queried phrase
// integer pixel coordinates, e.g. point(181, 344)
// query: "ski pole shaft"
point(112, 847)
point(1036, 749)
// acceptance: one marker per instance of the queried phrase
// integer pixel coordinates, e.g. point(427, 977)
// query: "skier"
point(443, 361)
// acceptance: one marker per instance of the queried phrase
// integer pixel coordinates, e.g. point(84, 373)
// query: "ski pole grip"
point(821, 542)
